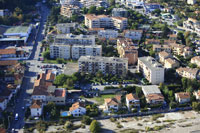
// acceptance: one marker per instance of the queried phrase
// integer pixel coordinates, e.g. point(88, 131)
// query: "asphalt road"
point(30, 74)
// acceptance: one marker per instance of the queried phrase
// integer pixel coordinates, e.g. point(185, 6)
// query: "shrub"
point(156, 116)
point(139, 124)
point(157, 121)
point(86, 120)
point(144, 110)
point(119, 125)
point(74, 127)
point(68, 125)
point(82, 126)
point(95, 127)
point(112, 119)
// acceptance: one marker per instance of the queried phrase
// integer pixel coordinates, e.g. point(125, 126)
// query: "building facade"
point(126, 49)
point(103, 21)
point(108, 34)
point(69, 10)
point(75, 51)
point(119, 12)
point(133, 34)
point(107, 65)
point(151, 69)
point(66, 28)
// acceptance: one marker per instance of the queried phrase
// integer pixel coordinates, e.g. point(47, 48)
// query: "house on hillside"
point(77, 109)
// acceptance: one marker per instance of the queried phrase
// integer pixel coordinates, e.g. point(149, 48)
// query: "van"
point(16, 116)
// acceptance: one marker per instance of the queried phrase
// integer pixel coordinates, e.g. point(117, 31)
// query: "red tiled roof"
point(131, 97)
point(111, 101)
point(36, 104)
point(8, 62)
point(76, 105)
point(7, 51)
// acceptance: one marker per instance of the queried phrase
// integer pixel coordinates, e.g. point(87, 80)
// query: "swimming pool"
point(65, 113)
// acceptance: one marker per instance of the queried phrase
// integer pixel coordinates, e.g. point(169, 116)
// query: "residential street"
point(30, 75)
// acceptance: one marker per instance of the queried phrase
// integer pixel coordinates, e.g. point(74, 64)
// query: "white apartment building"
point(191, 2)
point(120, 23)
point(60, 51)
point(190, 73)
point(70, 2)
point(100, 21)
point(133, 34)
point(119, 12)
point(78, 51)
point(70, 39)
point(103, 21)
point(107, 65)
point(75, 51)
point(192, 25)
point(134, 3)
point(108, 34)
point(66, 28)
point(196, 60)
point(74, 47)
point(151, 69)
point(97, 3)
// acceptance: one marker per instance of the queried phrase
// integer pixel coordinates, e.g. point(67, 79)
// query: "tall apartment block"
point(151, 69)
point(103, 21)
point(70, 46)
point(107, 65)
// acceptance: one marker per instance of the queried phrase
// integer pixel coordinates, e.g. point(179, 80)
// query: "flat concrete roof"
point(150, 89)
point(17, 29)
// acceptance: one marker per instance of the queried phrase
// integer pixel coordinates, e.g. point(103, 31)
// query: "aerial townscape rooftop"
point(99, 66)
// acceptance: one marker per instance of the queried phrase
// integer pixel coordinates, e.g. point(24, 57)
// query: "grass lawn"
point(50, 61)
point(100, 99)
point(56, 62)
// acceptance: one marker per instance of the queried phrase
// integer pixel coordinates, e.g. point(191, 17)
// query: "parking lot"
point(70, 68)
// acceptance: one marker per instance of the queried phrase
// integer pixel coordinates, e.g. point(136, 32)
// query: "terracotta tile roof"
point(45, 79)
point(183, 95)
point(196, 58)
point(157, 97)
point(7, 51)
point(76, 105)
point(95, 29)
point(50, 76)
point(193, 71)
point(93, 16)
point(111, 101)
point(40, 91)
point(125, 31)
point(169, 41)
point(2, 130)
point(119, 18)
point(131, 97)
point(171, 61)
point(60, 93)
point(36, 104)
point(172, 35)
point(152, 41)
point(8, 62)
point(164, 54)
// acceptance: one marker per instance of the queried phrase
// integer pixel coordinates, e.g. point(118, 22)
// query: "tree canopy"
point(95, 127)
